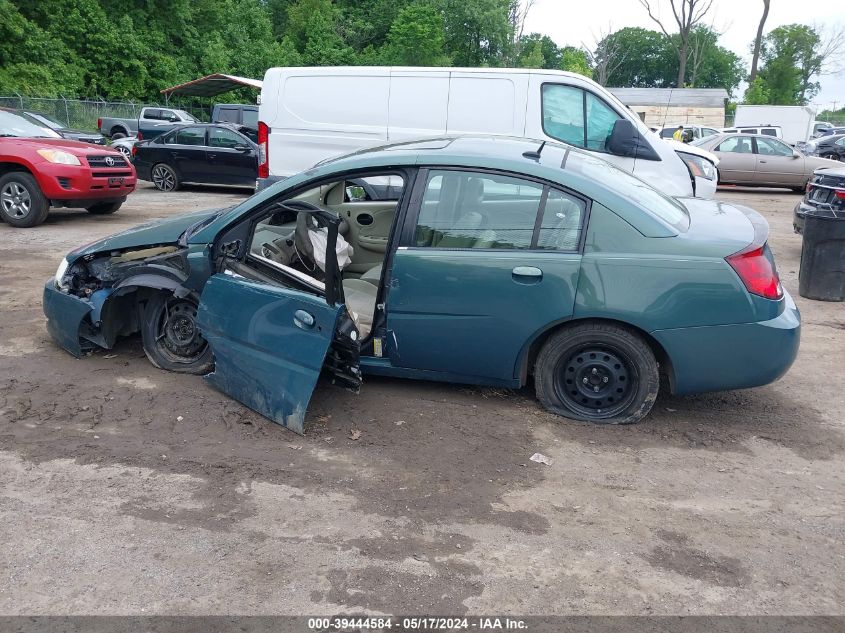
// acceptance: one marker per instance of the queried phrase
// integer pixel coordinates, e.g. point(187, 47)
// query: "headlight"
point(60, 274)
point(698, 166)
point(58, 156)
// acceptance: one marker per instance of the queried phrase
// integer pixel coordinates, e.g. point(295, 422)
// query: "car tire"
point(127, 153)
point(164, 177)
point(597, 372)
point(171, 338)
point(117, 136)
point(105, 208)
point(21, 202)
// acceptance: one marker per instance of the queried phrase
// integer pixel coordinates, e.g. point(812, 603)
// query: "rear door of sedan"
point(185, 149)
point(232, 159)
point(486, 261)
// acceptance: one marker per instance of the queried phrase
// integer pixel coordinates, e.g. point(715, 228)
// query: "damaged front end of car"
point(97, 298)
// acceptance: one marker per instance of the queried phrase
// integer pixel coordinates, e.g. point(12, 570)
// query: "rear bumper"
point(70, 185)
point(723, 357)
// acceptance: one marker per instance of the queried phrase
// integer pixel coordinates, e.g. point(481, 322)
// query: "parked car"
point(691, 131)
point(124, 146)
point(828, 131)
point(202, 153)
point(761, 161)
point(39, 170)
point(826, 189)
point(831, 147)
point(42, 120)
point(497, 259)
point(766, 130)
point(236, 113)
point(312, 114)
point(116, 128)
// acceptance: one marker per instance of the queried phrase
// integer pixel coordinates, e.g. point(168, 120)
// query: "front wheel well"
point(6, 168)
point(663, 360)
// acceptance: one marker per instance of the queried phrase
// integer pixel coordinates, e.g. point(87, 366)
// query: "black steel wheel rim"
point(596, 381)
point(163, 178)
point(177, 334)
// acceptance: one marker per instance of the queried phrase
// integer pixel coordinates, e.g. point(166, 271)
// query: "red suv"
point(39, 169)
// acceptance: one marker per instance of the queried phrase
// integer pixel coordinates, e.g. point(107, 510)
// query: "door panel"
point(777, 165)
point(268, 352)
point(369, 230)
point(737, 161)
point(470, 312)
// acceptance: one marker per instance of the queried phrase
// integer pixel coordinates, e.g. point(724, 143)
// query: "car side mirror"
point(173, 118)
point(796, 154)
point(626, 140)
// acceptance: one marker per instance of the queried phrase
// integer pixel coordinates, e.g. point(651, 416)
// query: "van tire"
point(20, 187)
point(597, 372)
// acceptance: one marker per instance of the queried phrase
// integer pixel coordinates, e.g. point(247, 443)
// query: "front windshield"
point(12, 124)
point(187, 116)
point(40, 119)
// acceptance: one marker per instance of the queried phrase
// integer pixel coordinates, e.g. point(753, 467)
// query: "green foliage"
point(574, 60)
point(417, 37)
point(757, 93)
point(790, 60)
point(541, 49)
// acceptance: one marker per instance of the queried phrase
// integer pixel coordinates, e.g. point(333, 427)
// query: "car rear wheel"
point(105, 208)
point(117, 135)
point(164, 178)
point(127, 153)
point(171, 337)
point(597, 372)
point(21, 202)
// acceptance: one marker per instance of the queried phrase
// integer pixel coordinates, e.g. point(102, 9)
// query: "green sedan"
point(477, 260)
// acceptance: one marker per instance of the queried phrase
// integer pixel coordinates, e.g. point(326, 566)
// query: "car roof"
point(560, 164)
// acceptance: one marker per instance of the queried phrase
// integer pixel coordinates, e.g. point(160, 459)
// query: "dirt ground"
point(128, 490)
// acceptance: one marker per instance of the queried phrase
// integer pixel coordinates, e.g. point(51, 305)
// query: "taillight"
point(99, 124)
point(840, 194)
point(756, 268)
point(134, 150)
point(263, 153)
point(140, 136)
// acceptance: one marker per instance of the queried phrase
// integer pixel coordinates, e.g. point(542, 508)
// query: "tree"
point(711, 65)
point(574, 60)
point(605, 57)
point(791, 57)
point(417, 37)
point(757, 93)
point(643, 59)
point(542, 49)
point(478, 32)
point(688, 14)
point(758, 41)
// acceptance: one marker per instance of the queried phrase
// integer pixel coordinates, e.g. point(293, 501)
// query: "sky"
point(578, 23)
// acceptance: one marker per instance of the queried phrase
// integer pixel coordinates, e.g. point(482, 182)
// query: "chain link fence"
point(82, 114)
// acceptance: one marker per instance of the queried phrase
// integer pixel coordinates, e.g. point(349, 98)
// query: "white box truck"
point(795, 122)
point(311, 114)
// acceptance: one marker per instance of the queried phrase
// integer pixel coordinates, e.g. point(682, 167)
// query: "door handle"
point(762, 161)
point(527, 273)
point(303, 319)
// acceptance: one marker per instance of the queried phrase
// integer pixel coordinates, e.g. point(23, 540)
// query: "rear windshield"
point(637, 191)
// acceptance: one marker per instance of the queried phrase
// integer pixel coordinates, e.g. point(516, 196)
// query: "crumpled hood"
point(155, 233)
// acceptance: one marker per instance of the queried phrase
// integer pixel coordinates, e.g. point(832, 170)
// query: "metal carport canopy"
point(212, 85)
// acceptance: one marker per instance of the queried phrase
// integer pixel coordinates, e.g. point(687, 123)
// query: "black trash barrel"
point(822, 274)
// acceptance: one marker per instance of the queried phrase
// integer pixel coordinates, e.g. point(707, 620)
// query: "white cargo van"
point(311, 114)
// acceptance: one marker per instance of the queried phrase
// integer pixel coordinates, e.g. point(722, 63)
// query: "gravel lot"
point(728, 503)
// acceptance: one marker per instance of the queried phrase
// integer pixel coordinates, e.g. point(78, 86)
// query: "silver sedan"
point(761, 161)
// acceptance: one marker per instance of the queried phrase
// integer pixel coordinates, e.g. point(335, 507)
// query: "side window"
point(841, 142)
point(489, 211)
point(564, 111)
point(228, 115)
point(152, 113)
point(600, 121)
point(769, 131)
point(250, 118)
point(666, 132)
point(769, 147)
point(221, 137)
point(560, 228)
point(190, 136)
point(170, 139)
point(735, 144)
point(708, 131)
point(373, 189)
point(749, 130)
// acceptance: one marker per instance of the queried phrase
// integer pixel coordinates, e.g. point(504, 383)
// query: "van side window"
point(564, 111)
point(476, 210)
